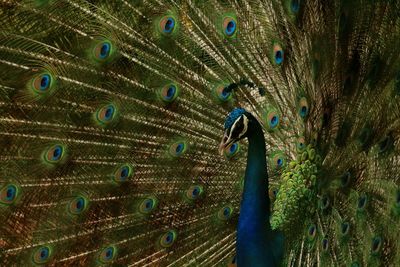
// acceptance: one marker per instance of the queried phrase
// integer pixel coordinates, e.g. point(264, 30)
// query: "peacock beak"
point(226, 141)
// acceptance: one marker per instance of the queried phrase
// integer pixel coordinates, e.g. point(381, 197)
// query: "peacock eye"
point(168, 239)
point(123, 173)
point(362, 202)
point(167, 25)
point(177, 149)
point(102, 50)
point(194, 192)
point(54, 154)
point(231, 150)
point(324, 202)
point(272, 119)
point(105, 114)
point(108, 254)
point(344, 228)
point(41, 255)
point(8, 194)
point(148, 205)
point(385, 144)
point(78, 205)
point(169, 93)
point(312, 231)
point(42, 83)
point(376, 244)
point(221, 94)
point(225, 213)
point(277, 160)
point(345, 179)
point(230, 26)
point(303, 108)
point(301, 144)
point(325, 244)
point(278, 54)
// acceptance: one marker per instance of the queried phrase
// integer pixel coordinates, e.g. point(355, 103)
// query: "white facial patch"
point(245, 125)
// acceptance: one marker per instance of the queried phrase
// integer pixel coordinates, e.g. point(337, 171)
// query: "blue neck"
point(254, 234)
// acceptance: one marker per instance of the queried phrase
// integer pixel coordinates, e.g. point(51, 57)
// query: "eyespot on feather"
point(42, 255)
point(167, 25)
point(148, 205)
point(229, 25)
point(42, 83)
point(77, 205)
point(169, 93)
point(225, 213)
point(123, 173)
point(108, 254)
point(194, 192)
point(54, 154)
point(9, 193)
point(231, 150)
point(106, 114)
point(103, 50)
point(168, 239)
point(177, 149)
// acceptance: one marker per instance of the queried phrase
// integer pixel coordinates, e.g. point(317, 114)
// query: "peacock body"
point(112, 112)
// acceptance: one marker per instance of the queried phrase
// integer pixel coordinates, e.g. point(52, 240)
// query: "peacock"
point(112, 115)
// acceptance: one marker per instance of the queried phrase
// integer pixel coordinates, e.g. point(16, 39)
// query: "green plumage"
point(111, 113)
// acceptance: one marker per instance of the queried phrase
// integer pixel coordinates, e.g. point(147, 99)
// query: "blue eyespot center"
point(279, 56)
point(179, 148)
point(169, 238)
point(398, 198)
point(325, 202)
point(274, 121)
point(44, 82)
point(169, 25)
point(295, 6)
point(44, 252)
point(362, 201)
point(344, 227)
point(376, 242)
point(233, 148)
point(109, 113)
point(11, 192)
point(311, 230)
point(226, 212)
point(345, 179)
point(279, 162)
point(105, 50)
point(196, 191)
point(171, 91)
point(303, 111)
point(149, 204)
point(230, 27)
point(224, 93)
point(325, 243)
point(124, 172)
point(79, 204)
point(275, 192)
point(57, 153)
point(109, 253)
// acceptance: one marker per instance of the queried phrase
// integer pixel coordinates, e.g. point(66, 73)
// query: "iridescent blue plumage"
point(257, 244)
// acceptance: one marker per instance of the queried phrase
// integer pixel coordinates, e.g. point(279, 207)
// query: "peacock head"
point(237, 125)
